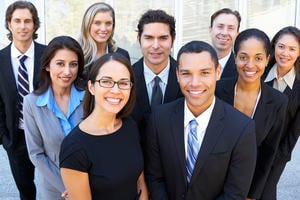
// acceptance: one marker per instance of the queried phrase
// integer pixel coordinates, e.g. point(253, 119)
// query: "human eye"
point(281, 46)
point(74, 64)
point(108, 23)
point(259, 59)
point(97, 23)
point(106, 82)
point(124, 84)
point(205, 73)
point(60, 64)
point(242, 58)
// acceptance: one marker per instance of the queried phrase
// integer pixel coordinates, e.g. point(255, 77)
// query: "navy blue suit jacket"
point(9, 101)
point(225, 162)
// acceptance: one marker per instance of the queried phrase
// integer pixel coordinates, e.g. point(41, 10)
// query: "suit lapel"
point(177, 131)
point(172, 86)
point(212, 135)
point(8, 72)
point(141, 89)
point(38, 51)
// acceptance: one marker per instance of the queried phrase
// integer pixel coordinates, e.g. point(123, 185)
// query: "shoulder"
point(30, 98)
point(166, 110)
point(173, 62)
point(273, 94)
point(5, 51)
point(40, 46)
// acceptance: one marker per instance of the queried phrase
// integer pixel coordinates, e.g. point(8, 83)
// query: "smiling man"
point(22, 23)
point(224, 28)
point(199, 147)
point(155, 72)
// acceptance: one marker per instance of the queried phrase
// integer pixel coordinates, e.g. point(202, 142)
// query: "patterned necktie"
point(193, 147)
point(157, 95)
point(23, 84)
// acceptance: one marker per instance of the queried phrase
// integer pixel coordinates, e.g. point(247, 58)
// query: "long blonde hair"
point(86, 41)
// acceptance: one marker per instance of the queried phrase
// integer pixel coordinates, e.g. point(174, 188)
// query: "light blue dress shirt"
point(67, 122)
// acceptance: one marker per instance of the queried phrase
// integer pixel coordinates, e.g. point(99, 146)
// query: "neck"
point(22, 46)
point(281, 71)
point(249, 87)
point(101, 49)
point(222, 53)
point(103, 122)
point(61, 92)
point(157, 68)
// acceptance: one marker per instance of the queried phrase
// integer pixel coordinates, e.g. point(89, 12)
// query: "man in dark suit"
point(224, 28)
point(214, 159)
point(156, 35)
point(22, 22)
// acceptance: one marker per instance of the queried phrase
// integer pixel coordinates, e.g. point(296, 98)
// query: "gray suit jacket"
point(44, 135)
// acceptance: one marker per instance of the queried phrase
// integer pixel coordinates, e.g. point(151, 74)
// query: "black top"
point(114, 162)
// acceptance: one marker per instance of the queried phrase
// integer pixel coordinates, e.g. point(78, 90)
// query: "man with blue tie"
point(155, 72)
point(19, 66)
point(199, 147)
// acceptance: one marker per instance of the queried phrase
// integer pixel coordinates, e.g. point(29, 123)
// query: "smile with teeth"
point(113, 100)
point(248, 73)
point(196, 92)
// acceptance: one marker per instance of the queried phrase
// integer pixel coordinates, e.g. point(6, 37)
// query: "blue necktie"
point(23, 84)
point(157, 95)
point(193, 147)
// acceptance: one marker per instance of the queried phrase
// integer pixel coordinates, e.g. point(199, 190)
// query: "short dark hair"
point(22, 5)
point(289, 30)
point(157, 16)
point(58, 43)
point(198, 47)
point(226, 11)
point(89, 99)
point(252, 33)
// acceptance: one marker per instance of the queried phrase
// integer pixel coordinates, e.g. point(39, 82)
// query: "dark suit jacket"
point(292, 128)
point(269, 117)
point(225, 162)
point(230, 68)
point(142, 107)
point(9, 101)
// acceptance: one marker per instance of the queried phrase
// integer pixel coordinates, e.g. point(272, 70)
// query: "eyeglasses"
point(122, 84)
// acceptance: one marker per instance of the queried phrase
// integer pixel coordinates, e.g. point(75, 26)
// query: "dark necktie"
point(157, 95)
point(23, 84)
point(193, 147)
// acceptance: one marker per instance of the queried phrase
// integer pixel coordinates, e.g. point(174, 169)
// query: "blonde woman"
point(96, 37)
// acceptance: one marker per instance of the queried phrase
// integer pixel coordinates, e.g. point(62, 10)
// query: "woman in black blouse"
point(101, 158)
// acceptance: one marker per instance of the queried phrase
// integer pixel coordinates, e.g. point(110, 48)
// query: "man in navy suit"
point(224, 28)
point(22, 23)
point(156, 35)
point(220, 162)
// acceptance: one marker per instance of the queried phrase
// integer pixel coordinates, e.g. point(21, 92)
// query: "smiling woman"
point(116, 171)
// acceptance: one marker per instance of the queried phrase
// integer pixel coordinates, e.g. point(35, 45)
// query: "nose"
point(115, 88)
point(155, 43)
point(196, 80)
point(251, 62)
point(224, 31)
point(67, 69)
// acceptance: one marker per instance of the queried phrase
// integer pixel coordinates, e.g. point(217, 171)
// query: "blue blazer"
point(225, 162)
point(269, 117)
point(9, 101)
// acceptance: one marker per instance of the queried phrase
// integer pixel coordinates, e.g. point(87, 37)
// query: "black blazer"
point(230, 68)
point(225, 162)
point(142, 107)
point(269, 117)
point(9, 101)
point(292, 126)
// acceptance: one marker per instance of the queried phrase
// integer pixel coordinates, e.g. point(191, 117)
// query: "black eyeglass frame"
point(114, 83)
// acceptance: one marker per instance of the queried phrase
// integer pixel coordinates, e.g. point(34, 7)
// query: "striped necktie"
point(193, 147)
point(23, 84)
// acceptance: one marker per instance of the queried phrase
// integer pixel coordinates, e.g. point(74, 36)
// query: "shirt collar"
point(289, 77)
point(202, 119)
point(15, 53)
point(163, 75)
point(224, 60)
point(47, 98)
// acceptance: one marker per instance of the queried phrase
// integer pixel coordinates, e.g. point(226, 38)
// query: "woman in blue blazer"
point(283, 74)
point(52, 111)
point(252, 97)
